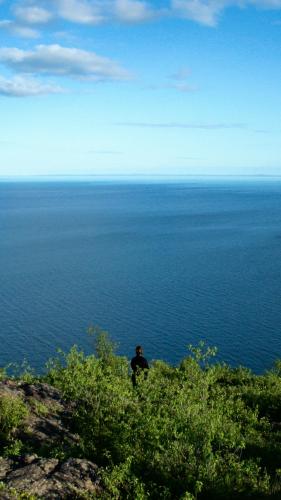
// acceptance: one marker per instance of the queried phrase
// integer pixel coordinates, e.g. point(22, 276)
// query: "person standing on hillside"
point(138, 364)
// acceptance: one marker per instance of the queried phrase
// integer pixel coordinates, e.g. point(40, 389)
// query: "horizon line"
point(119, 175)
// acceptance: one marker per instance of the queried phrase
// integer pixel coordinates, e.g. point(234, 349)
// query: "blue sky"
point(170, 87)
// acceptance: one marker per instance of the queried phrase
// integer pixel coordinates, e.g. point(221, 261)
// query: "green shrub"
point(183, 432)
point(13, 494)
point(13, 412)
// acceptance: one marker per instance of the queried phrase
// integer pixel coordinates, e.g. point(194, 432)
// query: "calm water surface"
point(164, 265)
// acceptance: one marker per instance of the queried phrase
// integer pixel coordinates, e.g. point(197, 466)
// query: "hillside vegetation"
point(201, 430)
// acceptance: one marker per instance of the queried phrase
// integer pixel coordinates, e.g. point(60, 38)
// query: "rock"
point(5, 467)
point(6, 495)
point(28, 459)
point(24, 478)
point(47, 478)
point(46, 429)
point(47, 424)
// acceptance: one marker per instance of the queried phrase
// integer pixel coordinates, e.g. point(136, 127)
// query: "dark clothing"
point(138, 364)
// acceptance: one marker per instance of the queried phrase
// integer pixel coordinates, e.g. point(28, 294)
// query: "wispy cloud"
point(193, 158)
point(104, 152)
point(202, 11)
point(23, 86)
point(32, 14)
point(80, 11)
point(132, 11)
point(203, 126)
point(208, 12)
point(181, 74)
point(182, 87)
point(93, 12)
point(90, 12)
point(18, 29)
point(179, 86)
point(62, 61)
point(180, 81)
point(99, 11)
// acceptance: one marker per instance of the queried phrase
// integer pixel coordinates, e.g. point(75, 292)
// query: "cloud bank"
point(92, 12)
point(23, 86)
point(62, 61)
point(29, 19)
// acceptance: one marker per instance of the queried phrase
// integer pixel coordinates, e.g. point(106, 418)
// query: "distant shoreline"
point(134, 177)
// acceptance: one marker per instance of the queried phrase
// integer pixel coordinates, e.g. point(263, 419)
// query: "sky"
point(133, 87)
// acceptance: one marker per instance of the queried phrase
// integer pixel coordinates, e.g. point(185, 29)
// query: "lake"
point(163, 264)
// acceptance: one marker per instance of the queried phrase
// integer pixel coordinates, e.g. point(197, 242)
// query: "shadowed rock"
point(47, 424)
point(47, 478)
point(46, 429)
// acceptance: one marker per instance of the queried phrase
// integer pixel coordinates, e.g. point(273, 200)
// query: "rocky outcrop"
point(45, 433)
point(48, 478)
point(49, 415)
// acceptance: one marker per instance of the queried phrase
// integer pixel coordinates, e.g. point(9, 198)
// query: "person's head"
point(139, 350)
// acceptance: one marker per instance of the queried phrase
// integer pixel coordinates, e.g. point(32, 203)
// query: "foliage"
point(13, 448)
point(22, 371)
point(13, 413)
point(198, 430)
point(13, 494)
point(38, 407)
point(3, 373)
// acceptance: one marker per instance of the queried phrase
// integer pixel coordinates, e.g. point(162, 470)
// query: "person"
point(138, 364)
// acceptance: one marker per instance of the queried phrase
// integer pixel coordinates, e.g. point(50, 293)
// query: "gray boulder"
point(46, 429)
point(50, 479)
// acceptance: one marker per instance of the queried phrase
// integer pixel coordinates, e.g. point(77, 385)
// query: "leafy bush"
point(183, 432)
point(13, 413)
point(200, 430)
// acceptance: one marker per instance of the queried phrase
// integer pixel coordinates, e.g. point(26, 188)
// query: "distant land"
point(137, 176)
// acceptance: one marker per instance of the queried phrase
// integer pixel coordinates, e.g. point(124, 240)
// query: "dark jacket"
point(138, 364)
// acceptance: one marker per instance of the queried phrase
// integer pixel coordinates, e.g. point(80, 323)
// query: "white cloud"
point(62, 61)
point(208, 11)
point(203, 11)
point(132, 10)
point(80, 11)
point(32, 14)
point(98, 11)
point(92, 12)
point(18, 29)
point(23, 86)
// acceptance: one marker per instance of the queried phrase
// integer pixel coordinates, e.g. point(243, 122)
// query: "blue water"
point(160, 264)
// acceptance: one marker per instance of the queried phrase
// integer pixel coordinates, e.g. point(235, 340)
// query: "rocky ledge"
point(48, 478)
point(45, 431)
